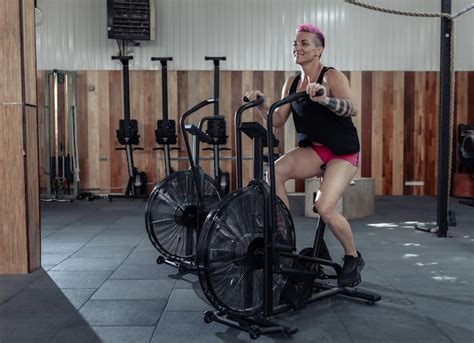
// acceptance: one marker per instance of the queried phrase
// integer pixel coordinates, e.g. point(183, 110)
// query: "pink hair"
point(313, 29)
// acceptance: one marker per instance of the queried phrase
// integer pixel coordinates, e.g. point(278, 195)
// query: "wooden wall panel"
point(19, 194)
point(356, 86)
point(117, 157)
point(13, 242)
point(278, 82)
point(430, 134)
point(10, 55)
point(183, 101)
point(149, 115)
point(105, 140)
point(225, 109)
point(236, 101)
point(409, 133)
point(41, 133)
point(397, 123)
point(93, 132)
point(366, 124)
point(29, 52)
point(419, 146)
point(377, 131)
point(387, 133)
point(398, 127)
point(250, 115)
point(155, 108)
point(82, 122)
point(290, 136)
point(32, 159)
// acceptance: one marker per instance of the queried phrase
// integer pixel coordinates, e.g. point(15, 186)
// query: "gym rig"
point(62, 164)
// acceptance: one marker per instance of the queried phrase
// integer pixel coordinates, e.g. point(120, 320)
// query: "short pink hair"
point(313, 29)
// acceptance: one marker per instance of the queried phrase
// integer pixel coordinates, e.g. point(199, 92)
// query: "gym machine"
point(248, 268)
point(61, 156)
point(127, 135)
point(165, 133)
point(216, 129)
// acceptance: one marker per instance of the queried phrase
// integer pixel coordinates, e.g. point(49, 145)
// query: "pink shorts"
point(326, 155)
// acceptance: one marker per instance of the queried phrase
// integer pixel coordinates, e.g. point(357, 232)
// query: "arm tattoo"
point(341, 107)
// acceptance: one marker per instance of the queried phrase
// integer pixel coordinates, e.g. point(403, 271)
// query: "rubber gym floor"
point(100, 282)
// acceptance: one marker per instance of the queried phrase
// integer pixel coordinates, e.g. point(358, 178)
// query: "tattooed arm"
point(340, 96)
point(342, 107)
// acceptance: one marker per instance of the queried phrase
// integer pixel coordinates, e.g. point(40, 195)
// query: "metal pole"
point(75, 147)
point(126, 97)
point(164, 95)
point(444, 120)
point(47, 134)
point(56, 125)
point(164, 91)
point(216, 112)
point(216, 86)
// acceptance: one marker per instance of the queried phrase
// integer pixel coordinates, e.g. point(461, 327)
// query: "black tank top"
point(316, 123)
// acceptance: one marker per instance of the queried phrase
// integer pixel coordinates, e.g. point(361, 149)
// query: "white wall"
point(254, 35)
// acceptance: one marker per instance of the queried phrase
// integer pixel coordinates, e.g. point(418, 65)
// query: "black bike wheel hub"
point(187, 215)
point(250, 253)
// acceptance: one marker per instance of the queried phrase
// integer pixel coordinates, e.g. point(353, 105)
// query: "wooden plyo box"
point(463, 185)
point(358, 200)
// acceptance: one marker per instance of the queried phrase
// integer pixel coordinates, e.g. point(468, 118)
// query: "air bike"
point(178, 205)
point(248, 266)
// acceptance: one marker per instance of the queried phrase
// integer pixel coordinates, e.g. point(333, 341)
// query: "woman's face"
point(304, 48)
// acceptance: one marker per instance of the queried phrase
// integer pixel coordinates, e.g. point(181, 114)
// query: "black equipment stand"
point(305, 282)
point(165, 133)
point(217, 130)
point(127, 135)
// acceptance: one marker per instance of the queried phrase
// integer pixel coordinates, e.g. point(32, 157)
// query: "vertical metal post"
point(56, 124)
point(126, 112)
point(75, 147)
point(216, 112)
point(444, 120)
point(126, 96)
point(164, 91)
point(47, 133)
point(215, 147)
point(216, 86)
point(164, 94)
point(66, 117)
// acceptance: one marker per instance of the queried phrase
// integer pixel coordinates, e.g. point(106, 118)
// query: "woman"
point(326, 136)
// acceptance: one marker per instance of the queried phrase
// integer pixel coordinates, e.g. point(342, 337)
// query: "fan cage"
point(170, 201)
point(230, 276)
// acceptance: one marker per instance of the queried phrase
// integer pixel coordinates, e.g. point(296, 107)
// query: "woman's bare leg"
point(337, 177)
point(300, 163)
